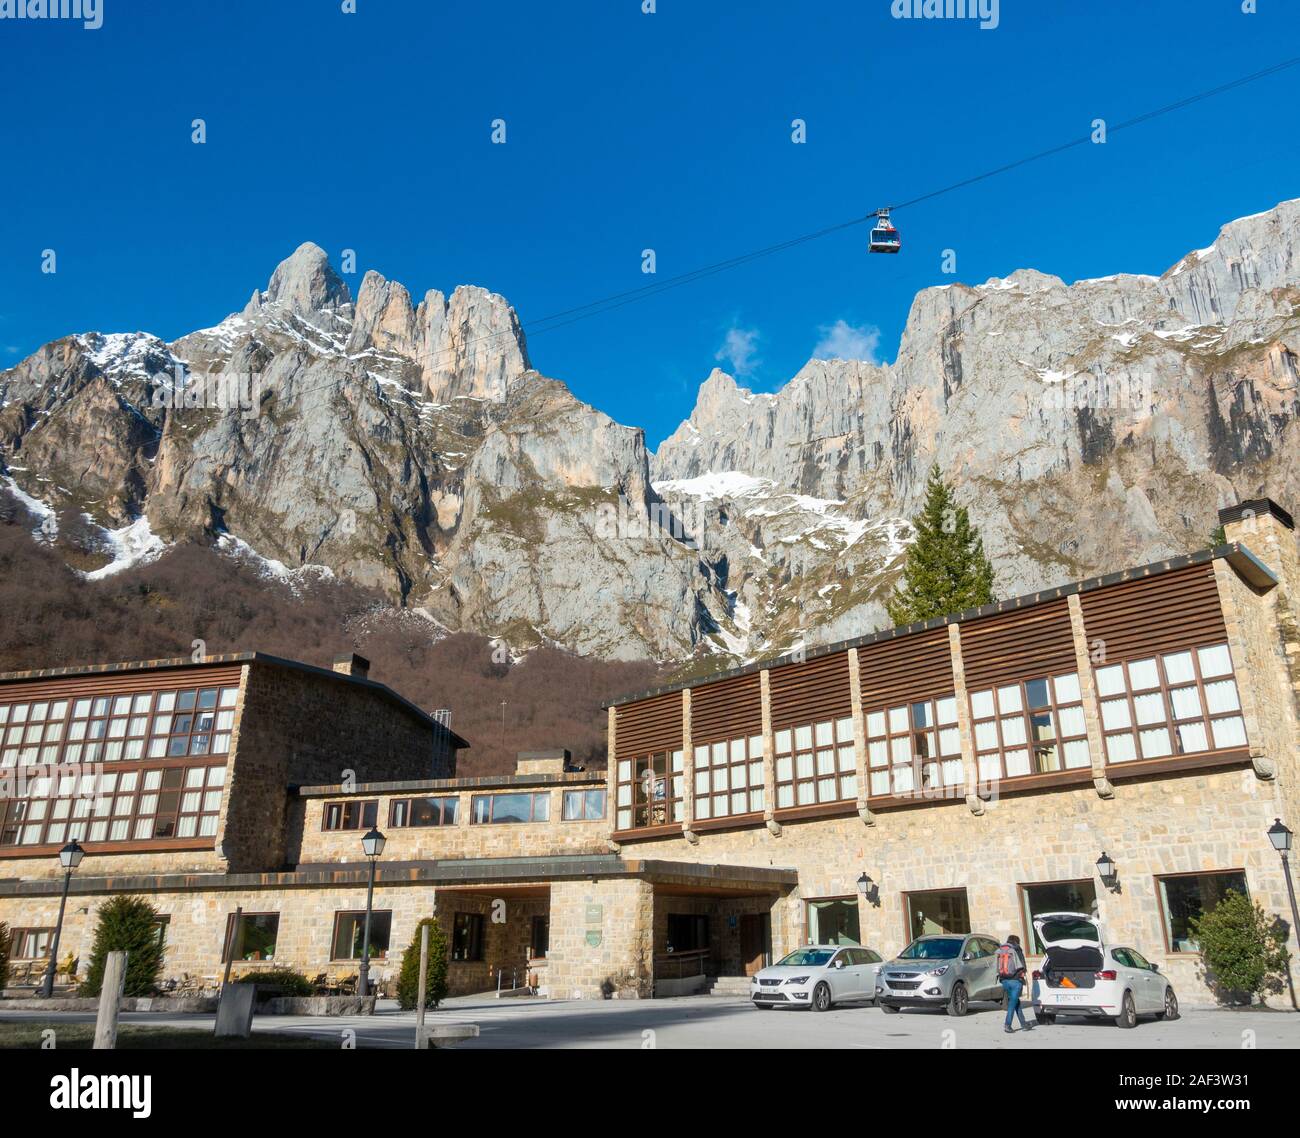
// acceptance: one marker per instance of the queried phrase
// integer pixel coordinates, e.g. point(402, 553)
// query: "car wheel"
point(821, 1001)
point(959, 1001)
point(1171, 1005)
point(889, 1009)
point(1127, 1012)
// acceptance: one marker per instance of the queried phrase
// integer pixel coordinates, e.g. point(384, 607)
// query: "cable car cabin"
point(884, 239)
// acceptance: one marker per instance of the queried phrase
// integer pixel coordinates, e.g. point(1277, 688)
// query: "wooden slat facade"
point(653, 724)
point(727, 709)
point(1018, 645)
point(1175, 610)
point(909, 668)
point(119, 683)
point(815, 690)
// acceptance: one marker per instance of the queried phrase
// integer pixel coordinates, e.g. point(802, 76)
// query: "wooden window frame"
point(639, 806)
point(27, 931)
point(85, 822)
point(1160, 878)
point(408, 804)
point(342, 805)
point(532, 795)
point(232, 946)
point(586, 817)
point(918, 763)
point(1054, 707)
point(754, 797)
point(340, 914)
point(840, 776)
point(1170, 723)
point(106, 717)
point(908, 894)
point(1026, 921)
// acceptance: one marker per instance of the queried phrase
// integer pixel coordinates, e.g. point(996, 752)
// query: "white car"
point(1081, 975)
point(817, 976)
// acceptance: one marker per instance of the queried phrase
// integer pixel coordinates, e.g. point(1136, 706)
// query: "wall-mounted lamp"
point(868, 888)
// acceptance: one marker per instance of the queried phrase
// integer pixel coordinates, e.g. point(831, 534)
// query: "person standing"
point(1011, 975)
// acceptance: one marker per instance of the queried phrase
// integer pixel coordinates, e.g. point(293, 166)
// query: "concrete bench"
point(447, 1035)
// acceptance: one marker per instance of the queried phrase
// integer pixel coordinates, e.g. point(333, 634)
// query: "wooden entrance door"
point(753, 942)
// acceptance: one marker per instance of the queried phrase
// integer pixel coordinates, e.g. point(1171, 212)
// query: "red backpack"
point(1008, 963)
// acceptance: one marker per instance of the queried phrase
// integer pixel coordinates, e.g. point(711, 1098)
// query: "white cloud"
point(844, 341)
point(740, 350)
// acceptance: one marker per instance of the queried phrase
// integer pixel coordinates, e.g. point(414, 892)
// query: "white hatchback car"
point(817, 976)
point(1083, 976)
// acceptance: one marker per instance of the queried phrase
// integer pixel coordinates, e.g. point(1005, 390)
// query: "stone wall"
point(601, 939)
point(298, 727)
point(1192, 822)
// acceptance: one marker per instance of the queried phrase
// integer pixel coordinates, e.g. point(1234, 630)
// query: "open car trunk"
point(1072, 949)
point(1071, 967)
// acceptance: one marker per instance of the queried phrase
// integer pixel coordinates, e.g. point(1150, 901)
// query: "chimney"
point(556, 760)
point(1268, 531)
point(350, 664)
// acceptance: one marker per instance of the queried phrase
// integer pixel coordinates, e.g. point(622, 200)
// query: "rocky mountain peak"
point(305, 283)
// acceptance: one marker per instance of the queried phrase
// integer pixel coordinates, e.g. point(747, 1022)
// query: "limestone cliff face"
point(1088, 427)
point(411, 447)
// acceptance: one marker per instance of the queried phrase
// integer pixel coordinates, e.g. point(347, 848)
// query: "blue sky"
point(625, 131)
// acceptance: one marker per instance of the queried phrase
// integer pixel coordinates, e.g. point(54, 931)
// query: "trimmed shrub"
point(130, 925)
point(1243, 948)
point(408, 981)
point(285, 981)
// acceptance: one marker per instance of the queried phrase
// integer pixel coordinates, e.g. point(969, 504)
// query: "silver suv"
point(944, 970)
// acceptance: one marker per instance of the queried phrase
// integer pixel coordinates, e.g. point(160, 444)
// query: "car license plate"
point(1072, 997)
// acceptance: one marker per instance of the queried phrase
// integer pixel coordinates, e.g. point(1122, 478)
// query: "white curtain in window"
point(1221, 696)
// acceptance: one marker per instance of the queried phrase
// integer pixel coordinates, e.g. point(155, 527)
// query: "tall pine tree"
point(946, 568)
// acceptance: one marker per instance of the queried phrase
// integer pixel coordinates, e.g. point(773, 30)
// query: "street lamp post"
point(1281, 837)
point(373, 844)
point(69, 857)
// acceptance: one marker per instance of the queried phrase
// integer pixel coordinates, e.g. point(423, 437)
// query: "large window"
point(467, 936)
point(1178, 703)
point(1055, 897)
point(115, 806)
point(1032, 727)
point(583, 805)
point(349, 935)
point(650, 790)
point(834, 921)
point(251, 936)
point(113, 728)
point(30, 944)
point(914, 746)
point(357, 814)
point(815, 763)
point(1185, 897)
point(729, 777)
point(486, 808)
point(423, 811)
point(937, 911)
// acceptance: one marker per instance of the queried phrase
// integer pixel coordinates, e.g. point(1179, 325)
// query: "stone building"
point(960, 774)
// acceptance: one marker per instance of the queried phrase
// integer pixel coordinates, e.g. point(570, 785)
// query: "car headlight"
point(797, 980)
point(938, 971)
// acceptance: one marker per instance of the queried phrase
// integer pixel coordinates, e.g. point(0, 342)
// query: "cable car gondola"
point(884, 237)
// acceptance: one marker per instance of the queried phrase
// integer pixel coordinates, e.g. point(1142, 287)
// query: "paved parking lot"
point(715, 1022)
